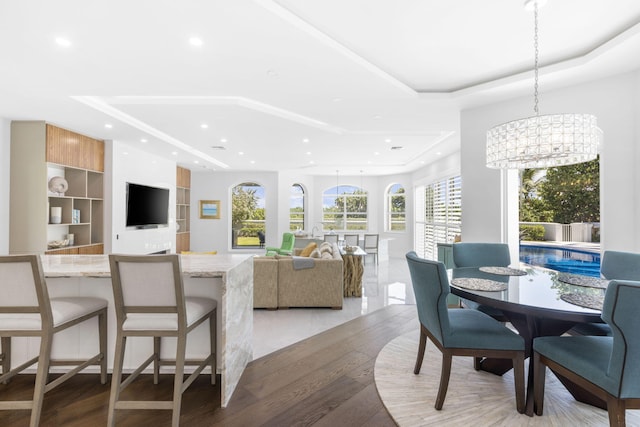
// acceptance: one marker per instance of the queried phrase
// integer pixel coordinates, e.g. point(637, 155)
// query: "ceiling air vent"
point(397, 147)
point(218, 147)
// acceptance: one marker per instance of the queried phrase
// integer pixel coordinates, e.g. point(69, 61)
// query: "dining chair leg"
point(421, 348)
point(102, 336)
point(444, 378)
point(156, 360)
point(539, 373)
point(5, 342)
point(476, 363)
point(41, 378)
point(116, 378)
point(213, 342)
point(179, 378)
point(518, 379)
point(616, 409)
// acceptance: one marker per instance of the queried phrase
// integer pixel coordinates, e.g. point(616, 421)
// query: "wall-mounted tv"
point(147, 207)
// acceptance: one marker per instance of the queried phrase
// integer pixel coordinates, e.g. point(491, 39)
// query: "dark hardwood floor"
point(325, 380)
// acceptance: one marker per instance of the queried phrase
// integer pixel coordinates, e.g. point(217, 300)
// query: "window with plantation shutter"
point(438, 215)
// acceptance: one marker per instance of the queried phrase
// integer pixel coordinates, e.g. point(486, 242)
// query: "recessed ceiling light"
point(377, 117)
point(195, 41)
point(422, 161)
point(175, 153)
point(143, 140)
point(305, 140)
point(311, 162)
point(376, 153)
point(438, 153)
point(108, 125)
point(64, 42)
point(387, 140)
point(223, 140)
point(204, 126)
point(196, 161)
point(252, 162)
point(126, 153)
point(337, 99)
point(241, 153)
point(308, 153)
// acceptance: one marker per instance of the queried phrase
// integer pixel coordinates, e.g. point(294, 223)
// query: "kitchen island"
point(225, 277)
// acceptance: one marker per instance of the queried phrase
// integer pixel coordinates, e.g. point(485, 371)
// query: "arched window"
point(247, 215)
point(344, 208)
point(296, 208)
point(395, 199)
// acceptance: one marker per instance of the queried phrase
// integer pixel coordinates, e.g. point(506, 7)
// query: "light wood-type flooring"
point(324, 380)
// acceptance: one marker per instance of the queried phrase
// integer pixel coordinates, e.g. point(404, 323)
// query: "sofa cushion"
point(308, 249)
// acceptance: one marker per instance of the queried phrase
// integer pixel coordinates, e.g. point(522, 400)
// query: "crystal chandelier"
point(542, 141)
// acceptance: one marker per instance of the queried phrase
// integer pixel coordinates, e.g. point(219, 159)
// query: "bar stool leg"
point(41, 378)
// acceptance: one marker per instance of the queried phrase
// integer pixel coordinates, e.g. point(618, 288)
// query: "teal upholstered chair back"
point(431, 287)
point(620, 265)
point(620, 311)
point(481, 254)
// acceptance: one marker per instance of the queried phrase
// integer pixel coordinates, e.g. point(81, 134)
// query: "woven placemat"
point(578, 280)
point(503, 271)
point(588, 301)
point(478, 284)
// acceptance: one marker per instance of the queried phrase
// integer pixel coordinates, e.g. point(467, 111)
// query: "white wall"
point(615, 101)
point(130, 164)
point(5, 157)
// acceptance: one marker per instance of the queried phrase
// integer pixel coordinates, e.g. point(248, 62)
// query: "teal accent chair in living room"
point(605, 367)
point(286, 248)
point(615, 265)
point(459, 332)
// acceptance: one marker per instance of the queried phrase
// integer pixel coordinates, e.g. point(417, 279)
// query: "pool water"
point(562, 259)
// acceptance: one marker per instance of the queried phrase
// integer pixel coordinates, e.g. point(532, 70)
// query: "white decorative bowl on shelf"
point(55, 244)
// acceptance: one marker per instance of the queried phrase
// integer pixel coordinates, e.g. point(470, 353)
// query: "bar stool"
point(27, 311)
point(150, 302)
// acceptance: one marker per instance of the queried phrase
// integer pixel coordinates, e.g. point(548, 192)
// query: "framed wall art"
point(209, 209)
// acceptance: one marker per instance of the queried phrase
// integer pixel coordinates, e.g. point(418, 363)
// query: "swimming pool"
point(562, 259)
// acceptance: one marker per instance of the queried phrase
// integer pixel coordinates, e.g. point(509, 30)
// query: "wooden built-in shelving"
point(183, 209)
point(39, 152)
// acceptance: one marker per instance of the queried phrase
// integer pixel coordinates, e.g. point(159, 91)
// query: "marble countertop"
point(98, 265)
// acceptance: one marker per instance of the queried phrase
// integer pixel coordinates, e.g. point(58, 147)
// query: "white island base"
point(226, 278)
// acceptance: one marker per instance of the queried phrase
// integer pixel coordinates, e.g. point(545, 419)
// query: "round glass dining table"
point(536, 301)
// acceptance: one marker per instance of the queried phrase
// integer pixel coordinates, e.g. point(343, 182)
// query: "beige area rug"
point(474, 398)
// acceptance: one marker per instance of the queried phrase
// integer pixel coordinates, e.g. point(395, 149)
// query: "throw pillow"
point(326, 247)
point(308, 249)
point(315, 253)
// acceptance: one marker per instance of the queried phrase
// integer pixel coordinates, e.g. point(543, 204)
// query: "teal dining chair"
point(482, 255)
point(614, 265)
point(607, 367)
point(459, 332)
point(286, 248)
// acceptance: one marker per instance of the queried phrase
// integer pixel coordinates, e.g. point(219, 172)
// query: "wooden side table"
point(353, 270)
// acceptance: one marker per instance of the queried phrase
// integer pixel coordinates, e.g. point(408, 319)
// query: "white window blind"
point(438, 215)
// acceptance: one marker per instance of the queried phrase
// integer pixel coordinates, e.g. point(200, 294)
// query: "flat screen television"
point(147, 207)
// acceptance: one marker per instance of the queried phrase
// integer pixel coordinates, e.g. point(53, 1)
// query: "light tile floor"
point(385, 284)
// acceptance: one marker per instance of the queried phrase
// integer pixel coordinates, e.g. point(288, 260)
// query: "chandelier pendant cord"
point(535, 64)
